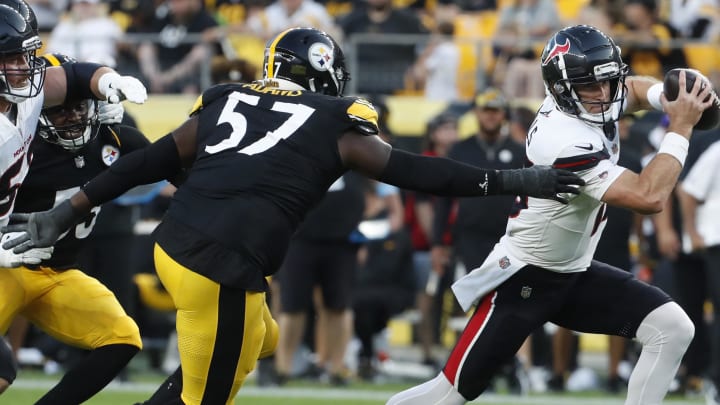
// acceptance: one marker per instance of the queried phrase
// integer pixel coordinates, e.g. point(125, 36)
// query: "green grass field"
point(30, 386)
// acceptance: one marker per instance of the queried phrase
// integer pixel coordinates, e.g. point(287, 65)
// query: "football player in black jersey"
point(257, 157)
point(71, 148)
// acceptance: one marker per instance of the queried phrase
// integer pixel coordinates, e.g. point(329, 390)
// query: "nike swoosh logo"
point(586, 147)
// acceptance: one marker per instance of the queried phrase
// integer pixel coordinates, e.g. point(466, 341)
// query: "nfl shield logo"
point(504, 263)
point(525, 292)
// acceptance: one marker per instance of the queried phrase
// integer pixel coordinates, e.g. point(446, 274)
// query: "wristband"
point(653, 96)
point(675, 145)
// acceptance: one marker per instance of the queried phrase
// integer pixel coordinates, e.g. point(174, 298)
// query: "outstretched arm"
point(82, 80)
point(441, 176)
point(161, 160)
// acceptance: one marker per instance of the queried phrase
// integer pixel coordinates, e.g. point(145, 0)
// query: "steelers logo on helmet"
point(320, 56)
point(306, 58)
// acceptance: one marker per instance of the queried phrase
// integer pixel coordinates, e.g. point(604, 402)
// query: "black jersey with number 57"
point(264, 158)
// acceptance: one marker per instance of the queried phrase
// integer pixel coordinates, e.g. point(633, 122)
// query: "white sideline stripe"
point(329, 393)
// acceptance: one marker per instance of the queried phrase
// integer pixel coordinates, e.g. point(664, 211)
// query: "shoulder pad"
point(364, 116)
point(558, 136)
point(210, 95)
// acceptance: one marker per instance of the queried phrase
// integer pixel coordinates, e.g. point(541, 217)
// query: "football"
point(711, 117)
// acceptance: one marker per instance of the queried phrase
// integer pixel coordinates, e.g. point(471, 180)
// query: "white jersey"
point(546, 233)
point(556, 236)
point(15, 140)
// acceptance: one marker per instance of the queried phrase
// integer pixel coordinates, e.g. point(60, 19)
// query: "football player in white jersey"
point(542, 268)
point(26, 86)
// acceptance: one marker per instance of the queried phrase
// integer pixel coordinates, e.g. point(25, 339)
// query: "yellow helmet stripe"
point(52, 59)
point(271, 53)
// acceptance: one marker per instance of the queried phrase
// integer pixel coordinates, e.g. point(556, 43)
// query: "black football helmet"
point(582, 54)
point(72, 124)
point(21, 73)
point(24, 9)
point(307, 57)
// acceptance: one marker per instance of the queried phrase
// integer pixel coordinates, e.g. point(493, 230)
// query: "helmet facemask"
point(567, 97)
point(71, 125)
point(583, 55)
point(22, 74)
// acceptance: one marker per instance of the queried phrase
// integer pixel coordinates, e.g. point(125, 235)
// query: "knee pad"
point(125, 331)
point(668, 327)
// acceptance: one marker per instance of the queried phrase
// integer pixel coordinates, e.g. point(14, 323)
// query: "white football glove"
point(117, 88)
point(11, 260)
point(110, 113)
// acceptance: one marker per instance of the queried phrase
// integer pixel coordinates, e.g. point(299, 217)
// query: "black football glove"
point(40, 229)
point(540, 182)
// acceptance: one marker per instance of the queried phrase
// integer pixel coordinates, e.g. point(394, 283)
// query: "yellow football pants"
point(221, 332)
point(68, 305)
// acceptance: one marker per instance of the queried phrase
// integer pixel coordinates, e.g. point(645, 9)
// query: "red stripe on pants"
point(473, 328)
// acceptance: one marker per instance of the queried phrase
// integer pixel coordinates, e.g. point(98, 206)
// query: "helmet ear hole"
point(559, 88)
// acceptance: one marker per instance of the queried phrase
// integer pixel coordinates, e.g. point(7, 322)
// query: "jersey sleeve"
point(594, 166)
point(208, 96)
point(585, 157)
point(363, 116)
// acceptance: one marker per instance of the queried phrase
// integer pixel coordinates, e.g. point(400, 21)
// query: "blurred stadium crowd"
point(364, 289)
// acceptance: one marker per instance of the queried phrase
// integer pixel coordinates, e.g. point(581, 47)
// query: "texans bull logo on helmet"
point(557, 51)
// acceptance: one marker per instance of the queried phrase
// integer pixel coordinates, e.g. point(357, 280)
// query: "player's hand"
point(110, 113)
point(540, 182)
point(9, 259)
point(118, 88)
point(39, 229)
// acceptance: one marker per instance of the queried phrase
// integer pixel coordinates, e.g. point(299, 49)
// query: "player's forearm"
point(80, 203)
point(661, 174)
point(156, 162)
point(658, 180)
point(438, 176)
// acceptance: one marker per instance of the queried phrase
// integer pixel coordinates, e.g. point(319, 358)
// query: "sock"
point(437, 391)
point(90, 375)
point(169, 391)
point(665, 333)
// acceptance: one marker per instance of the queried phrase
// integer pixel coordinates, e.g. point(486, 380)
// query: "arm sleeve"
point(438, 176)
point(158, 161)
point(79, 76)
